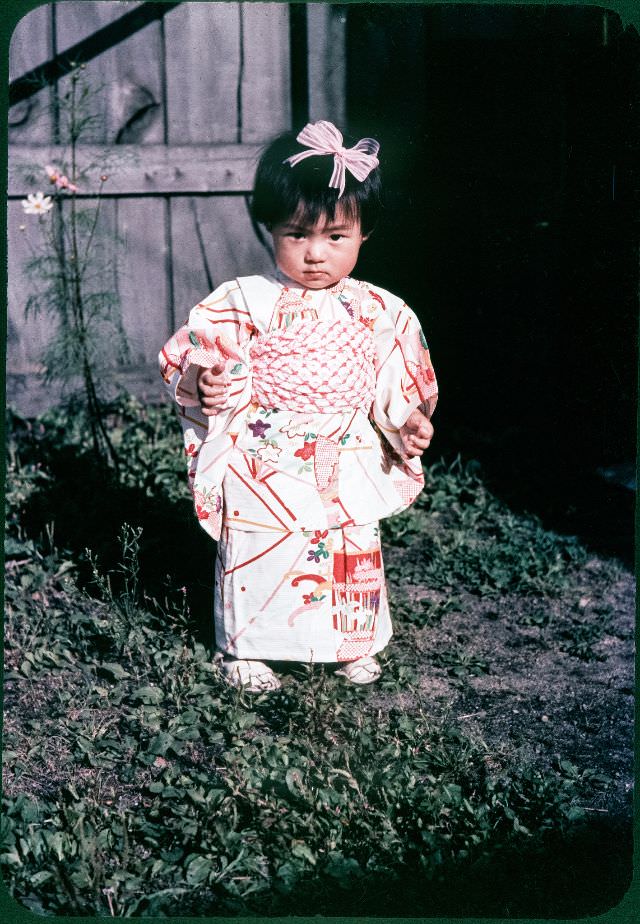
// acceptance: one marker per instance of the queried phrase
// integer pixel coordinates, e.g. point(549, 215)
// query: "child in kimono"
point(305, 399)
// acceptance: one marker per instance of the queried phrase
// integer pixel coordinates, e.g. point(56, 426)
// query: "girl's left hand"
point(416, 434)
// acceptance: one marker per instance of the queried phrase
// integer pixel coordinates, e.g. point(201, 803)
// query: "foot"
point(253, 676)
point(364, 670)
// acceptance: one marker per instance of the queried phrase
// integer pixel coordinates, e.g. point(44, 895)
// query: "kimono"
point(292, 476)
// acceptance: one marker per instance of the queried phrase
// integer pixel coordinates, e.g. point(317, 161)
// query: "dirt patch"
point(539, 681)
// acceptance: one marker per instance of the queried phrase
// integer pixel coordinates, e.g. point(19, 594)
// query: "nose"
point(314, 252)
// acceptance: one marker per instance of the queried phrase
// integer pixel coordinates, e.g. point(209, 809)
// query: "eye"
point(336, 237)
point(296, 235)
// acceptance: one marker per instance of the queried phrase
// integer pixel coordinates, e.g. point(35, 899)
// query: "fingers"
point(213, 398)
point(213, 389)
point(420, 425)
point(215, 376)
point(414, 447)
point(423, 433)
point(211, 406)
point(416, 434)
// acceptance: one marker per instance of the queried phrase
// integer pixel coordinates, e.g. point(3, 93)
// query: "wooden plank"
point(231, 245)
point(31, 44)
point(326, 37)
point(202, 72)
point(106, 267)
point(173, 169)
point(128, 106)
point(212, 241)
point(88, 48)
point(26, 337)
point(75, 20)
point(142, 277)
point(26, 393)
point(190, 281)
point(135, 271)
point(265, 96)
point(134, 267)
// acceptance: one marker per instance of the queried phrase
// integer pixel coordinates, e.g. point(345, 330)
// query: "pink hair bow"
point(324, 138)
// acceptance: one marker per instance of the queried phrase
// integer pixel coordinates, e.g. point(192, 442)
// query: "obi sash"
point(314, 366)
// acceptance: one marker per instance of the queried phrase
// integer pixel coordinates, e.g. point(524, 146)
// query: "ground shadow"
point(582, 873)
point(571, 495)
point(88, 508)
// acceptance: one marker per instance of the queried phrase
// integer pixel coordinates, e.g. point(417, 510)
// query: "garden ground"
point(489, 772)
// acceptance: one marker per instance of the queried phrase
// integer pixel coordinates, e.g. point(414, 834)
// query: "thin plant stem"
point(100, 435)
point(87, 249)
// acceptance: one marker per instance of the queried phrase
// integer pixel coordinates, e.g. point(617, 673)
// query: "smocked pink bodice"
point(314, 367)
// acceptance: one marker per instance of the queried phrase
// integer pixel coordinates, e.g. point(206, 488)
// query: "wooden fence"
point(187, 103)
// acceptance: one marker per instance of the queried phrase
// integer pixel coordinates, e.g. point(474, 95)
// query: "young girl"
point(305, 400)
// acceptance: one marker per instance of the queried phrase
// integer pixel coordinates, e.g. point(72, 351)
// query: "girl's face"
point(317, 256)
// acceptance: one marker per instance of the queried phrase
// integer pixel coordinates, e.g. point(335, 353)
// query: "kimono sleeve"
point(217, 330)
point(405, 379)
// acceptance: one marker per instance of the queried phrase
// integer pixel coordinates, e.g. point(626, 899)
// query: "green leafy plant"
point(460, 536)
point(72, 264)
point(138, 783)
point(583, 631)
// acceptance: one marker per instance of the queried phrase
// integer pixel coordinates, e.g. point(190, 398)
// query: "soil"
point(497, 668)
point(524, 697)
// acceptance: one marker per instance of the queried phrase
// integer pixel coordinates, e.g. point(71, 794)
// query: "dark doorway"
point(510, 228)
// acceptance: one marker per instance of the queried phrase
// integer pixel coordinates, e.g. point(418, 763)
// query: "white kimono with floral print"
point(294, 496)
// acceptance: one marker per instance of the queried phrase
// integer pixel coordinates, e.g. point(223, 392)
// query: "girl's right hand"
point(213, 389)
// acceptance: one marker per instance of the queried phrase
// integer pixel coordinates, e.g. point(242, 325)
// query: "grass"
point(138, 783)
point(469, 540)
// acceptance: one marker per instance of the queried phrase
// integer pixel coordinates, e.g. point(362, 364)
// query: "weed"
point(459, 536)
point(584, 631)
point(460, 663)
point(534, 616)
point(423, 612)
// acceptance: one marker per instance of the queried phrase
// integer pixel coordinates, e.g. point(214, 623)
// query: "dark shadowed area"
point(511, 229)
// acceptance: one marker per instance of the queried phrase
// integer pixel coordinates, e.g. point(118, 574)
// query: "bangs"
point(327, 208)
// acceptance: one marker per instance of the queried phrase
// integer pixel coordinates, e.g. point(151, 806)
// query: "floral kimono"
point(292, 476)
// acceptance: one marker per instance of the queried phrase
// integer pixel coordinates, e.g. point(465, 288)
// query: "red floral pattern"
point(306, 452)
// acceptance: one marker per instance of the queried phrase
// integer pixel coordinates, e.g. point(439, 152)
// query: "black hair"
point(281, 191)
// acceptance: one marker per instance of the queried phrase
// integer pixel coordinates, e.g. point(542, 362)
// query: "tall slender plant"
point(72, 262)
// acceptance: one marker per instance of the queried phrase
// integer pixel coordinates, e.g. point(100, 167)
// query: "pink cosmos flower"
point(59, 180)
